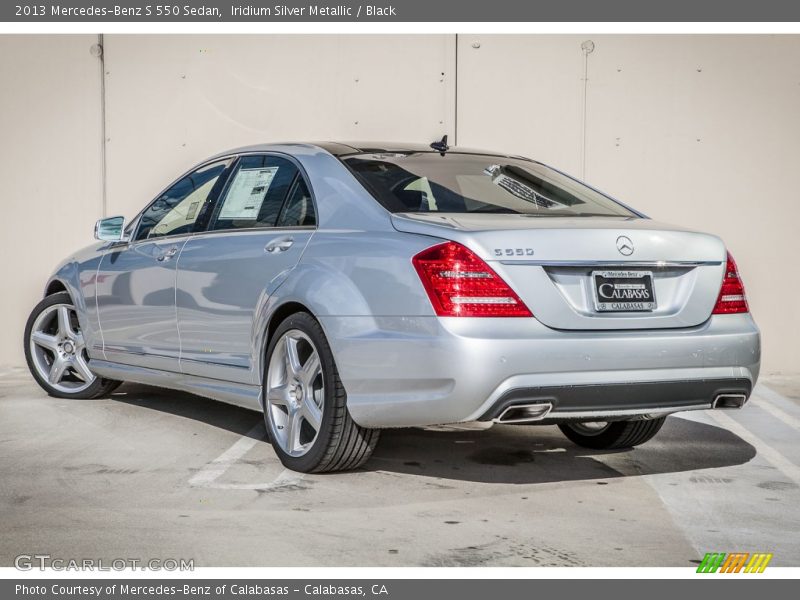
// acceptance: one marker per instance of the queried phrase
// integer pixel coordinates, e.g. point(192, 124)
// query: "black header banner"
point(399, 11)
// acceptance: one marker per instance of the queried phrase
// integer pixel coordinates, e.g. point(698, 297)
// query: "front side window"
point(256, 193)
point(176, 210)
point(474, 183)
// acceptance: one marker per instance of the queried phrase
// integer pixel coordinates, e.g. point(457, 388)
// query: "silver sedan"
point(344, 288)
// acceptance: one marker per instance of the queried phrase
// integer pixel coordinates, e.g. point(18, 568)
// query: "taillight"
point(460, 284)
point(731, 296)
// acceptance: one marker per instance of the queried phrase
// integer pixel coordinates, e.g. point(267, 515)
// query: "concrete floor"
point(152, 473)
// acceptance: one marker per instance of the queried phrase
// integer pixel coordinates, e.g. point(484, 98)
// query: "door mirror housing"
point(111, 229)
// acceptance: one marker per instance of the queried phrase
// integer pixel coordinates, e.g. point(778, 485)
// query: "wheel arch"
point(67, 279)
point(310, 288)
point(279, 314)
point(276, 317)
point(54, 286)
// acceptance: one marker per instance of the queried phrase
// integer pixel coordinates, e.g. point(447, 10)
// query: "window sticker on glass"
point(192, 210)
point(247, 193)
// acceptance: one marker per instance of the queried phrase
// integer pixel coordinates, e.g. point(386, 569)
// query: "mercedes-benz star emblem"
point(624, 245)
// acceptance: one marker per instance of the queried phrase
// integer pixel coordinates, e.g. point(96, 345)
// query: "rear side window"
point(474, 183)
point(298, 210)
point(255, 193)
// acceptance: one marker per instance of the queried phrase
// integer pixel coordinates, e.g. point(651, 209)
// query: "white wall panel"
point(49, 165)
point(174, 100)
point(522, 94)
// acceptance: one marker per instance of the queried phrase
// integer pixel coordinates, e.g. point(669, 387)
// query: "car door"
point(135, 286)
point(260, 226)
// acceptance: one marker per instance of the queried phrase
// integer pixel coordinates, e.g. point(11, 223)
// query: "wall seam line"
point(455, 98)
point(103, 174)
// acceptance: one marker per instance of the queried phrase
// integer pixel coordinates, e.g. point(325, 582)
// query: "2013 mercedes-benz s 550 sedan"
point(344, 288)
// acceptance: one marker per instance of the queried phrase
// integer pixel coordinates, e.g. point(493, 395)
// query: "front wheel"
point(305, 405)
point(55, 351)
point(601, 435)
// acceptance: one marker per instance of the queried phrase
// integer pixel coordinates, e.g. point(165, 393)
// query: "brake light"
point(731, 298)
point(460, 284)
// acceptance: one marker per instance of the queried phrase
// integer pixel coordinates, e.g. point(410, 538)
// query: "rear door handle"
point(281, 244)
point(168, 254)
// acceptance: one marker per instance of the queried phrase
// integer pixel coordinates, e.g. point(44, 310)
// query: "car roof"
point(342, 148)
point(345, 148)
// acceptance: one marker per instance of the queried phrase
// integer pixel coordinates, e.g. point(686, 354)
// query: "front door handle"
point(168, 254)
point(280, 245)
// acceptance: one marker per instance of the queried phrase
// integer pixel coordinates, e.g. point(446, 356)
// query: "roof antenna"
point(441, 146)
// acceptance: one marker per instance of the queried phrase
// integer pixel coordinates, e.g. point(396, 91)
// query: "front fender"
point(77, 275)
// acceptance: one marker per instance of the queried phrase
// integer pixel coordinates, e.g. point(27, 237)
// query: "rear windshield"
point(474, 183)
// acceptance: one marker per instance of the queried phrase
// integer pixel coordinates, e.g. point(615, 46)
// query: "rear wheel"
point(55, 351)
point(602, 435)
point(305, 405)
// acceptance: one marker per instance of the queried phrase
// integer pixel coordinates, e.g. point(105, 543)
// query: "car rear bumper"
point(411, 371)
point(616, 401)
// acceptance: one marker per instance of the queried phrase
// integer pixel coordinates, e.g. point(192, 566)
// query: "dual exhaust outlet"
point(528, 413)
point(729, 401)
point(524, 413)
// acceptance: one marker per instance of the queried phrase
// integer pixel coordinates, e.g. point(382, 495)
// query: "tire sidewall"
point(599, 441)
point(311, 327)
point(610, 438)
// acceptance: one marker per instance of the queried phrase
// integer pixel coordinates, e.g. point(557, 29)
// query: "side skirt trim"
point(239, 394)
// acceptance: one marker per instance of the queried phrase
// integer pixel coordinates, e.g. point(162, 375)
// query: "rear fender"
point(374, 278)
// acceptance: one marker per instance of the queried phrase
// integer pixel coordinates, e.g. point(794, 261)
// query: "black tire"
point(340, 444)
point(616, 434)
point(98, 388)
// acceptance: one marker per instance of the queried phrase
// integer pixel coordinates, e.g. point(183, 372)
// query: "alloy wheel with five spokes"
point(295, 393)
point(305, 403)
point(58, 350)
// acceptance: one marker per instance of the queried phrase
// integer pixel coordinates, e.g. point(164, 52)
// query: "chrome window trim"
point(244, 231)
point(175, 237)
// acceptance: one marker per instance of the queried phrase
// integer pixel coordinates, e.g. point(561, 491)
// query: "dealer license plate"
point(623, 291)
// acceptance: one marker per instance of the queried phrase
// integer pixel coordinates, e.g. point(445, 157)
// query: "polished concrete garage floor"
point(151, 473)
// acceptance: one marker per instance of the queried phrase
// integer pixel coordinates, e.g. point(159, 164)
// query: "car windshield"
point(475, 183)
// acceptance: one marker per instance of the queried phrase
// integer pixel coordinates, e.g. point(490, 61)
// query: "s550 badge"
point(513, 251)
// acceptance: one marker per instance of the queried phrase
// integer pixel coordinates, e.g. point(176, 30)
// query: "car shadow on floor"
point(183, 404)
point(514, 454)
point(541, 454)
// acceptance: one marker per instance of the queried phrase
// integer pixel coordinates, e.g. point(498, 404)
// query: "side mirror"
point(111, 229)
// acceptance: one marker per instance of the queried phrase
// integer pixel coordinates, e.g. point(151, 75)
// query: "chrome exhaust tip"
point(524, 413)
point(729, 401)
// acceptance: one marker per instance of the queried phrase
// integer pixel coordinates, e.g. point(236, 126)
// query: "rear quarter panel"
point(351, 273)
point(354, 277)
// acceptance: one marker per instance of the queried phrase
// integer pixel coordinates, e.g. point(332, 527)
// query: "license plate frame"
point(635, 283)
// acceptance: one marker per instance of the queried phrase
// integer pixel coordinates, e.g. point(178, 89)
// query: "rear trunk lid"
point(556, 265)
